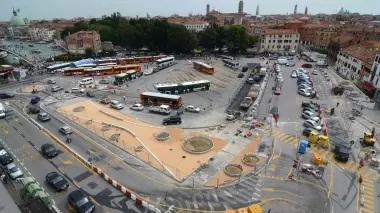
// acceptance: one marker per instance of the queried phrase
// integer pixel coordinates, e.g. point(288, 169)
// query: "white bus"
point(168, 61)
point(86, 81)
point(2, 111)
point(53, 68)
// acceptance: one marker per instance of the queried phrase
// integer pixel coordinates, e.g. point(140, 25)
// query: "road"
point(24, 141)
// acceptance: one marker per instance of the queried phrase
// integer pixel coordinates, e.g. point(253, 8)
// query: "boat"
point(41, 42)
point(3, 54)
point(31, 45)
point(35, 50)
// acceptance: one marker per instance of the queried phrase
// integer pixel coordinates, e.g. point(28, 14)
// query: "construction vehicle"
point(33, 193)
point(246, 103)
point(368, 139)
point(337, 90)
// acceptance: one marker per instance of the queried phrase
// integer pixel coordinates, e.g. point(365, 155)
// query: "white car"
point(312, 124)
point(65, 130)
point(13, 171)
point(304, 86)
point(294, 74)
point(137, 107)
point(307, 114)
point(304, 92)
point(116, 104)
point(280, 79)
point(192, 108)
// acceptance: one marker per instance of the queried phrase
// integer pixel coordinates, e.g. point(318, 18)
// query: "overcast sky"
point(49, 9)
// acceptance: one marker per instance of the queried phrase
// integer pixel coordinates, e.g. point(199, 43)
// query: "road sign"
point(89, 159)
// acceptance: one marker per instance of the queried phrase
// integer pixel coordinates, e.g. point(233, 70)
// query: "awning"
point(368, 86)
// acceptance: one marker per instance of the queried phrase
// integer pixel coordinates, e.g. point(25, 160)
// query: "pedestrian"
point(269, 210)
point(337, 104)
point(124, 98)
point(361, 108)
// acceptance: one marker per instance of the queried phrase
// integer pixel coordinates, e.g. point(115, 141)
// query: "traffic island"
point(33, 87)
point(233, 170)
point(251, 159)
point(162, 136)
point(79, 109)
point(114, 137)
point(198, 145)
point(105, 128)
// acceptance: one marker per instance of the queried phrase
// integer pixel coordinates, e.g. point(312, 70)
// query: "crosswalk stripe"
point(251, 183)
point(366, 210)
point(238, 198)
point(292, 140)
point(287, 137)
point(282, 137)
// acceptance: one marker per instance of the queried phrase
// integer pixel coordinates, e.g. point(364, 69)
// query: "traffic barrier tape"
point(145, 204)
point(118, 186)
point(95, 169)
point(139, 201)
point(110, 180)
point(128, 194)
point(133, 197)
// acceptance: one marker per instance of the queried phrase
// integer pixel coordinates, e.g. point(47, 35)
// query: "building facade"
point(279, 40)
point(78, 42)
point(374, 80)
point(308, 33)
point(355, 63)
point(336, 44)
point(42, 34)
point(195, 26)
point(323, 37)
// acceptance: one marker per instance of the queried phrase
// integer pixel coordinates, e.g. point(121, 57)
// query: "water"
point(46, 52)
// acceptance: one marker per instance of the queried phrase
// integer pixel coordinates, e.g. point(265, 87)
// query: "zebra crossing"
point(276, 133)
point(246, 192)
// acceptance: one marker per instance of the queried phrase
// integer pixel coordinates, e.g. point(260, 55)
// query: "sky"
point(49, 9)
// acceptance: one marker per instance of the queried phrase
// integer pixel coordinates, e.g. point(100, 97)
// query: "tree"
point(208, 38)
point(88, 52)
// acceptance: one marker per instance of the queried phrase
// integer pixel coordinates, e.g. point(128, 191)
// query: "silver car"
point(13, 171)
point(65, 130)
point(312, 124)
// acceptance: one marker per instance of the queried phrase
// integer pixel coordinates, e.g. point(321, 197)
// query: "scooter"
point(68, 140)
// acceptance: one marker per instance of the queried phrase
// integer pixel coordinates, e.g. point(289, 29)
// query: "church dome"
point(16, 20)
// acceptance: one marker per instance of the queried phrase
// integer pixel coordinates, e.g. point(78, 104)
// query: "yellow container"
point(254, 209)
point(242, 210)
point(323, 141)
point(229, 211)
point(317, 159)
point(313, 137)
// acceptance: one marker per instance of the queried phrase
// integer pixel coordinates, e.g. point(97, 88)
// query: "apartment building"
point(323, 36)
point(39, 34)
point(374, 80)
point(279, 40)
point(308, 33)
point(336, 44)
point(78, 42)
point(355, 63)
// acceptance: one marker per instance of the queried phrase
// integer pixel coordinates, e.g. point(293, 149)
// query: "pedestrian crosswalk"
point(231, 197)
point(366, 201)
point(283, 137)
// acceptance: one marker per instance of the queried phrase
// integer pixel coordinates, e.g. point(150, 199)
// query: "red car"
point(277, 91)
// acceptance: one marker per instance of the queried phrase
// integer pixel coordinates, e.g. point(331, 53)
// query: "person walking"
point(337, 104)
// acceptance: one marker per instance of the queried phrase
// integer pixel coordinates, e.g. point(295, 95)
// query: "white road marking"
point(210, 206)
point(195, 205)
point(227, 193)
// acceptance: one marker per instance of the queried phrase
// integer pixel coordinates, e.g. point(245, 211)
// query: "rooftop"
point(295, 21)
point(279, 31)
point(313, 25)
point(363, 53)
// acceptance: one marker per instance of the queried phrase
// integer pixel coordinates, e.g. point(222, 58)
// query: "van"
point(86, 81)
point(2, 111)
point(77, 90)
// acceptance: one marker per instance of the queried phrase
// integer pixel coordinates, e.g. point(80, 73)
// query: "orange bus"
point(123, 61)
point(110, 70)
point(106, 61)
point(200, 66)
point(98, 71)
point(136, 67)
point(74, 71)
point(156, 98)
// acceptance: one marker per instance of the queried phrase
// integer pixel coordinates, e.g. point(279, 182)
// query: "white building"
point(374, 80)
point(354, 63)
point(195, 26)
point(279, 40)
point(41, 34)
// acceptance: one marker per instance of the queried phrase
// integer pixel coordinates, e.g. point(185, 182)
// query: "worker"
point(361, 162)
point(332, 111)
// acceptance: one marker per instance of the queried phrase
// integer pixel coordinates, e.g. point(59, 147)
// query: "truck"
point(162, 109)
point(253, 92)
point(246, 103)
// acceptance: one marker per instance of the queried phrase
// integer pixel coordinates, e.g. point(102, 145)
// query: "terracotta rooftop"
point(295, 21)
point(279, 31)
point(365, 54)
point(313, 26)
point(342, 39)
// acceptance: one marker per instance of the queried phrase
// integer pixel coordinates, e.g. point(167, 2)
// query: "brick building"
point(78, 42)
point(336, 44)
point(308, 32)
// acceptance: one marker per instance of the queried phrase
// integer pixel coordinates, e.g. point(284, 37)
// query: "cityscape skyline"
point(144, 7)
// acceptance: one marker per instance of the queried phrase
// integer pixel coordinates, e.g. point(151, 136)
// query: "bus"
point(120, 78)
point(107, 64)
point(155, 98)
point(57, 67)
point(110, 70)
point(74, 71)
point(156, 57)
point(231, 63)
point(226, 57)
point(200, 66)
point(165, 62)
point(106, 61)
point(87, 65)
point(184, 87)
point(99, 71)
point(124, 61)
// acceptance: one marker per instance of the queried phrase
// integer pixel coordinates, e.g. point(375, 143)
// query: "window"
point(272, 46)
point(262, 47)
point(269, 41)
point(377, 80)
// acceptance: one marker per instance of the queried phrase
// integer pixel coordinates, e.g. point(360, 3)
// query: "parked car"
point(312, 124)
point(294, 74)
point(191, 108)
point(43, 116)
point(244, 69)
point(51, 81)
point(35, 100)
point(65, 130)
point(5, 158)
point(308, 114)
point(104, 81)
point(304, 86)
point(306, 132)
point(5, 95)
point(13, 171)
point(56, 88)
point(56, 181)
point(277, 91)
point(311, 109)
point(105, 100)
point(304, 92)
point(291, 64)
point(116, 104)
point(310, 104)
point(34, 110)
point(241, 75)
point(137, 107)
point(49, 151)
point(341, 152)
point(172, 120)
point(80, 202)
point(250, 81)
point(90, 94)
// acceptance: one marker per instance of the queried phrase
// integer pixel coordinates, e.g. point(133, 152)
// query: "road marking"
point(94, 201)
point(227, 193)
point(5, 130)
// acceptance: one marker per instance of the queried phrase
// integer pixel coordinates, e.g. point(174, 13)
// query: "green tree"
point(208, 38)
point(89, 53)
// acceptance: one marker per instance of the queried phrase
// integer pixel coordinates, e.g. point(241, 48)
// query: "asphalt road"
point(20, 131)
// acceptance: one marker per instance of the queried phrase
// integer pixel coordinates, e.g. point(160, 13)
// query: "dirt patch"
point(198, 144)
point(233, 170)
point(79, 109)
point(106, 128)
